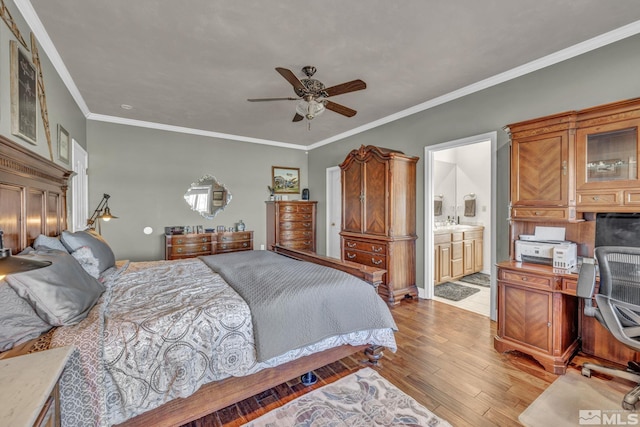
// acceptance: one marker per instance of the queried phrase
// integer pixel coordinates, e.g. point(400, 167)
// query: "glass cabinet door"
point(607, 156)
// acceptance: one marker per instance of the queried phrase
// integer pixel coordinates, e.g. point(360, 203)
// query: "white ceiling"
point(191, 65)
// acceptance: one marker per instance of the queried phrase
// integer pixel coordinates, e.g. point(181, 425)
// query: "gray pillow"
point(99, 247)
point(18, 321)
point(62, 293)
point(87, 261)
point(47, 242)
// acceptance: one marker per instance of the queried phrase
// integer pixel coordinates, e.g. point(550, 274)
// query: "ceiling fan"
point(312, 94)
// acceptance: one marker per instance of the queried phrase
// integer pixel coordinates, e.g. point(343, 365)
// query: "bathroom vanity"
point(457, 251)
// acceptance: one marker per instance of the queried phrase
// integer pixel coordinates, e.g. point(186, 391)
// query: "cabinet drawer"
point(474, 234)
point(234, 246)
point(441, 238)
point(304, 208)
point(234, 237)
point(191, 250)
point(569, 286)
point(540, 213)
point(296, 225)
point(306, 245)
point(632, 197)
point(374, 248)
point(365, 258)
point(456, 250)
point(296, 217)
point(296, 235)
point(526, 279)
point(587, 198)
point(456, 236)
point(190, 239)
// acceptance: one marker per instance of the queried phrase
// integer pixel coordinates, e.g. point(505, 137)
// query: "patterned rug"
point(479, 279)
point(362, 399)
point(454, 291)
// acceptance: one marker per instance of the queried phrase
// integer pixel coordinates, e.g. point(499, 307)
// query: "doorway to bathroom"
point(460, 187)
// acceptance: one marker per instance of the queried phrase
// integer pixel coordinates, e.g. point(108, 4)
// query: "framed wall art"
point(24, 95)
point(285, 180)
point(63, 144)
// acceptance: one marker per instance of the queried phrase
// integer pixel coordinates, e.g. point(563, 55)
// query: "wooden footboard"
point(215, 396)
point(368, 274)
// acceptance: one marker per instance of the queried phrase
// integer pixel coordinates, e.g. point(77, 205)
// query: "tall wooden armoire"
point(379, 216)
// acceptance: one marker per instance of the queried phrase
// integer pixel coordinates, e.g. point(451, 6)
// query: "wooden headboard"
point(33, 195)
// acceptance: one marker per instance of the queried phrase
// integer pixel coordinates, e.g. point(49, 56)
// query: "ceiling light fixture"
point(308, 107)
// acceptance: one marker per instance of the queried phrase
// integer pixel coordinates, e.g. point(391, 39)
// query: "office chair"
point(618, 306)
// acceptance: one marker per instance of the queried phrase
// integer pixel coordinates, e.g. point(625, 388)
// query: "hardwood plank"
point(445, 360)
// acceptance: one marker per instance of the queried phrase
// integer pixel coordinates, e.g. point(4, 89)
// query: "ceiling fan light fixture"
point(310, 109)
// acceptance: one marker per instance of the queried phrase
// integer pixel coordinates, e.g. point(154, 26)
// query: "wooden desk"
point(540, 315)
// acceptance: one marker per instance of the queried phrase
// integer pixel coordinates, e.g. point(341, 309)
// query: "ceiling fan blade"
point(340, 109)
point(347, 87)
point(271, 99)
point(291, 78)
point(297, 118)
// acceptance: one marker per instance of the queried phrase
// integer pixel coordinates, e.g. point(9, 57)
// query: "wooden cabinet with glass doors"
point(607, 158)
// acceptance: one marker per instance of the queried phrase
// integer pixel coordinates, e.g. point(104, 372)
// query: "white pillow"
point(87, 261)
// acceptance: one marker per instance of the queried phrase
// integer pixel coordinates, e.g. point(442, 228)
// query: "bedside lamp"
point(15, 264)
point(102, 212)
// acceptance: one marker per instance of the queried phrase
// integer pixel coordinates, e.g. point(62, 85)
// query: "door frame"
point(333, 198)
point(429, 152)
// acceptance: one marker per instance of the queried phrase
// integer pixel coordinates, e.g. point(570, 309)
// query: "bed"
point(33, 194)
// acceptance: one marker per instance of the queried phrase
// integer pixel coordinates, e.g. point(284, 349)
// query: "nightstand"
point(29, 388)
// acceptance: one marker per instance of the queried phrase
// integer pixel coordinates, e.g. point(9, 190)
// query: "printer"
point(547, 246)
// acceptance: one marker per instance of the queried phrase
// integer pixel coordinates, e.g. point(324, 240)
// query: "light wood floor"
point(445, 360)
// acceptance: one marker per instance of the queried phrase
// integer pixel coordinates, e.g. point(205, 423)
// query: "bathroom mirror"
point(207, 196)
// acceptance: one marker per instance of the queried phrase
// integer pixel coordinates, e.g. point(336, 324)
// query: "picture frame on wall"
point(24, 94)
point(285, 180)
point(63, 144)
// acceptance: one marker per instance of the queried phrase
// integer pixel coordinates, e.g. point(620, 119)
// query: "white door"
point(79, 188)
point(334, 212)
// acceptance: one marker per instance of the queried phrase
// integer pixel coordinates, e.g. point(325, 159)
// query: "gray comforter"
point(296, 303)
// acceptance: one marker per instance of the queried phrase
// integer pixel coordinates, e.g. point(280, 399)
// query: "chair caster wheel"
point(586, 372)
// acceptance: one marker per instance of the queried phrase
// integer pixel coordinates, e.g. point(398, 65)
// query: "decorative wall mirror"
point(207, 196)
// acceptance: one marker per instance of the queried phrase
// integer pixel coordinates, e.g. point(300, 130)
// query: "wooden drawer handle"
point(204, 248)
point(307, 217)
point(179, 241)
point(373, 260)
point(204, 239)
point(307, 225)
point(524, 279)
point(351, 256)
point(351, 245)
point(377, 249)
point(224, 246)
point(245, 244)
point(179, 250)
point(538, 213)
point(596, 198)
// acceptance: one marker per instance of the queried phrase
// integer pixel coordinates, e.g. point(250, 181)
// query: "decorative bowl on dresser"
point(179, 246)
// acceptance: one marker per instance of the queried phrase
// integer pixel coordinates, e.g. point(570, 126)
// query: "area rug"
point(574, 400)
point(454, 291)
point(479, 279)
point(363, 398)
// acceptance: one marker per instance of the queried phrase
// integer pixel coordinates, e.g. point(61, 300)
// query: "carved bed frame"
point(34, 201)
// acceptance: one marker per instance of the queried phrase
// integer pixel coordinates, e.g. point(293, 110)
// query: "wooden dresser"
point(379, 216)
point(180, 246)
point(292, 224)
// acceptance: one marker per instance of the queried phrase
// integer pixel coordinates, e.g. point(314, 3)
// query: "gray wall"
point(62, 109)
point(605, 75)
point(146, 172)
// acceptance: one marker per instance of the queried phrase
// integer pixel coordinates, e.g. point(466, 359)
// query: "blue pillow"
point(47, 242)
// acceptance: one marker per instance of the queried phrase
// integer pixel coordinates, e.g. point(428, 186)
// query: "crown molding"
point(190, 131)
